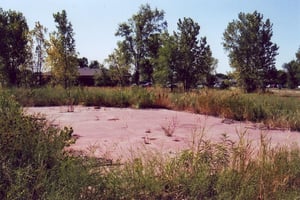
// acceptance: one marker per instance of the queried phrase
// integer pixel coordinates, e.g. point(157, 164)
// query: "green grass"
point(277, 110)
point(223, 170)
point(36, 165)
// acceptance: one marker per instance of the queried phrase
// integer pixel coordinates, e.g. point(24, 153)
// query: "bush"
point(34, 164)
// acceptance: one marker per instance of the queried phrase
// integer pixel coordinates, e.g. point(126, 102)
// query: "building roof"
point(85, 71)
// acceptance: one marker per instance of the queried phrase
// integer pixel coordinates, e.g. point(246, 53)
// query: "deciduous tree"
point(62, 57)
point(83, 62)
point(141, 34)
point(165, 72)
point(251, 51)
point(39, 46)
point(14, 52)
point(194, 56)
point(293, 71)
point(103, 78)
point(94, 64)
point(119, 66)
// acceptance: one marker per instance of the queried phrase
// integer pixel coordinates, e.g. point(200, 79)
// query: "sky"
point(96, 21)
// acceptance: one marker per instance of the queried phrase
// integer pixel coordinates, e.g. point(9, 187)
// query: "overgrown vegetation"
point(36, 165)
point(224, 170)
point(34, 160)
point(274, 110)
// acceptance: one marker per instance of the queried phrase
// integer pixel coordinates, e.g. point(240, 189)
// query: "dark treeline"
point(146, 54)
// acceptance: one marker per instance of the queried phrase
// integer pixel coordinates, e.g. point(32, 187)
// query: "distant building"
point(85, 76)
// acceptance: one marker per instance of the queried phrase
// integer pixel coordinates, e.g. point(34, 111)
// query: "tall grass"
point(223, 170)
point(272, 110)
point(36, 165)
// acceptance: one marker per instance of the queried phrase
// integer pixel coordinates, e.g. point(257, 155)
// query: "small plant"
point(169, 128)
point(70, 105)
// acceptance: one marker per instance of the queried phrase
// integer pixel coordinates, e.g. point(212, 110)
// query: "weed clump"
point(170, 126)
point(34, 163)
point(210, 170)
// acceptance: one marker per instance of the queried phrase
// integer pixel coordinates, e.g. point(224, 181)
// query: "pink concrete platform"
point(121, 133)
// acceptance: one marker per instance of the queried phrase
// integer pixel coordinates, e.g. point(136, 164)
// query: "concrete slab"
point(122, 133)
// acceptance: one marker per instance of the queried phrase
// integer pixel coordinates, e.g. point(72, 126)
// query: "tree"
point(39, 46)
point(62, 57)
point(167, 62)
point(195, 57)
point(83, 62)
point(251, 51)
point(119, 67)
point(281, 78)
point(14, 52)
point(207, 64)
point(141, 40)
point(94, 64)
point(103, 78)
point(293, 71)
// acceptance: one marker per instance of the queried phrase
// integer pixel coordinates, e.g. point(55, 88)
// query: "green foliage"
point(195, 59)
point(293, 71)
point(251, 51)
point(271, 109)
point(83, 62)
point(208, 170)
point(62, 58)
point(14, 52)
point(165, 71)
point(38, 46)
point(105, 77)
point(141, 40)
point(47, 96)
point(119, 66)
point(34, 164)
point(106, 97)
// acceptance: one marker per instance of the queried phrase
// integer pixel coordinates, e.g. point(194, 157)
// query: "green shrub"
point(34, 164)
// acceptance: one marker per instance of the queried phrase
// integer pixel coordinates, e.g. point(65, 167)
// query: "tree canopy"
point(251, 51)
point(141, 40)
point(119, 66)
point(39, 48)
point(293, 71)
point(165, 72)
point(62, 57)
point(183, 57)
point(13, 46)
point(146, 52)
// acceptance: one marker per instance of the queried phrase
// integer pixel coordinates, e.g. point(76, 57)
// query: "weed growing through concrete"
point(170, 126)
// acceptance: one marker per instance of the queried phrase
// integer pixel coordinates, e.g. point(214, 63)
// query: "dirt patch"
point(121, 133)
